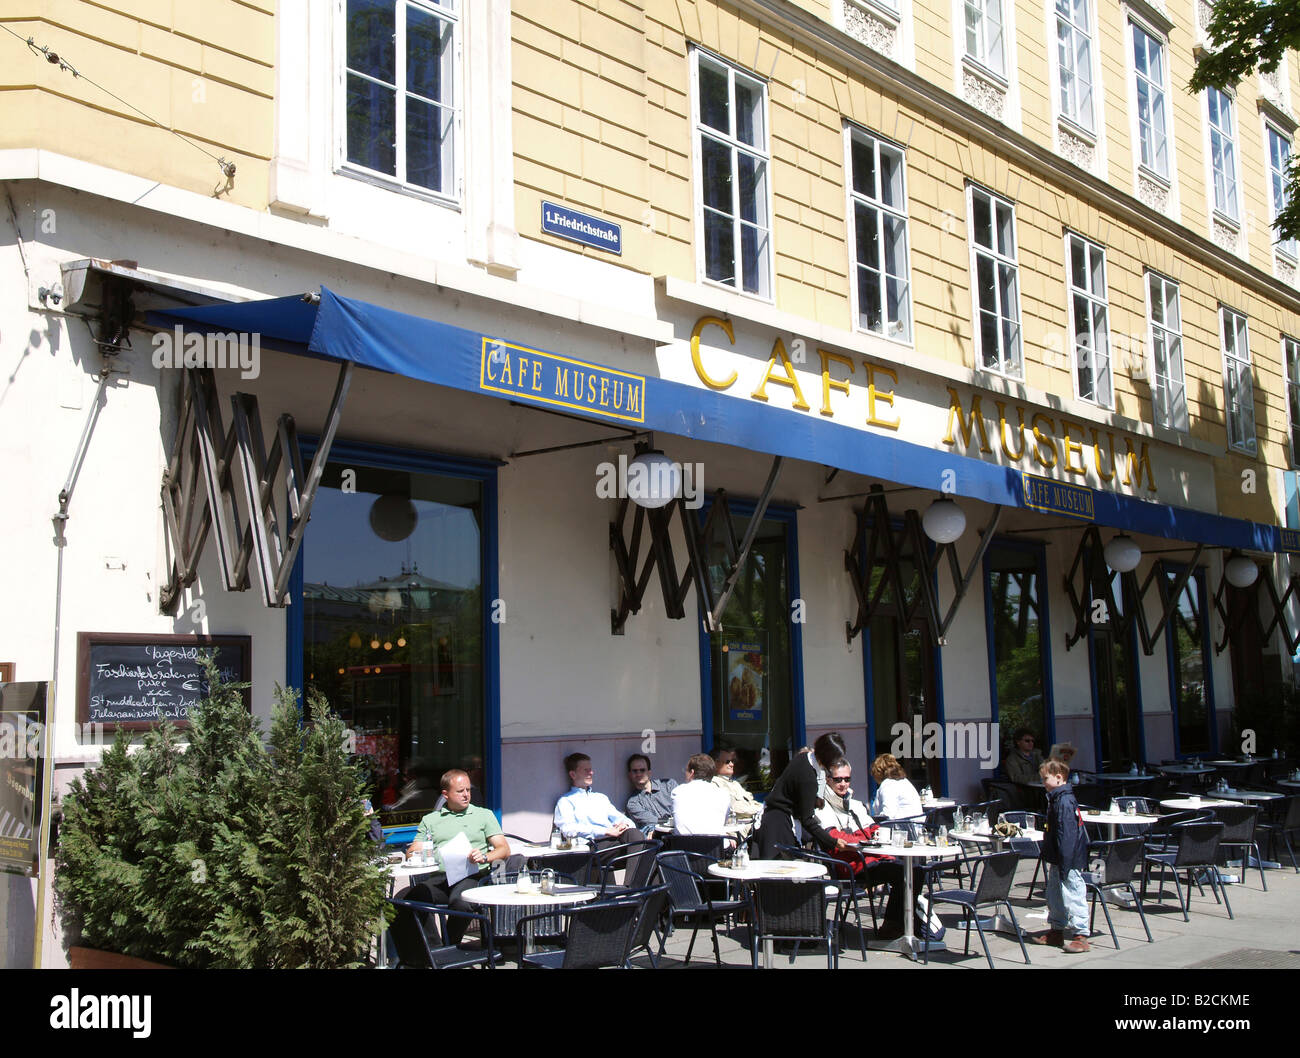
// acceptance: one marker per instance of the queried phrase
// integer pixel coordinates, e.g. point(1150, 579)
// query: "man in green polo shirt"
point(486, 844)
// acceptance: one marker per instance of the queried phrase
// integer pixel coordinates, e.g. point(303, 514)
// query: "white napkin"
point(455, 857)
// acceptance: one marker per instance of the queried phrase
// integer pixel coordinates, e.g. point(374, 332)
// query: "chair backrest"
point(1140, 804)
point(790, 907)
point(1198, 844)
point(989, 808)
point(654, 902)
point(407, 932)
point(996, 876)
point(1238, 822)
point(837, 869)
point(1024, 820)
point(710, 845)
point(600, 934)
point(576, 864)
point(679, 874)
point(1120, 859)
point(1291, 817)
point(638, 865)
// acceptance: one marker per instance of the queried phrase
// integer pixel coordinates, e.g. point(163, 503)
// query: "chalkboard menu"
point(134, 681)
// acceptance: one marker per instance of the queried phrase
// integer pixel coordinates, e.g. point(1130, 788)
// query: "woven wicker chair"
point(1119, 861)
point(1196, 853)
point(692, 904)
point(1239, 823)
point(994, 889)
point(410, 933)
point(794, 909)
point(598, 935)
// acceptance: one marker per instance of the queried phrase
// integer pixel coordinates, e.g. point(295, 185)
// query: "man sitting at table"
point(699, 807)
point(586, 814)
point(653, 802)
point(1021, 764)
point(458, 818)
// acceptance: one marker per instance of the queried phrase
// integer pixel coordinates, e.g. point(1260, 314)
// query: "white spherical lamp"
point(943, 522)
point(1240, 571)
point(653, 480)
point(1122, 554)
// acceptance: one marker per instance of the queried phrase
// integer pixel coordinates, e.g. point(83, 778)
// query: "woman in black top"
point(794, 796)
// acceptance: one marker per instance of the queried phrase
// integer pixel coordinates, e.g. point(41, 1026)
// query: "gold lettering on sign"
point(968, 423)
point(1072, 447)
point(874, 394)
point(1105, 475)
point(1040, 440)
point(705, 377)
point(1017, 455)
point(1133, 460)
point(829, 383)
point(786, 378)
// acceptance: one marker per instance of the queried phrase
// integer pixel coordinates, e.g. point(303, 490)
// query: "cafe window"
point(1238, 384)
point(401, 101)
point(995, 272)
point(1117, 695)
point(1015, 608)
point(1149, 74)
point(1169, 391)
point(1191, 690)
point(1074, 60)
point(395, 575)
point(732, 190)
point(879, 204)
point(753, 676)
point(1089, 312)
point(1223, 152)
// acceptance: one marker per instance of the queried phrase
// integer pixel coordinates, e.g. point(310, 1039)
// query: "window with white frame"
point(1291, 363)
point(997, 296)
point(1238, 387)
point(1086, 262)
point(1223, 152)
point(401, 103)
point(1149, 69)
point(879, 203)
point(1074, 60)
point(1279, 164)
point(984, 33)
point(731, 129)
point(1169, 388)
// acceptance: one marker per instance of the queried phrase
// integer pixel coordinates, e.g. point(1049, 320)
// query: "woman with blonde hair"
point(896, 797)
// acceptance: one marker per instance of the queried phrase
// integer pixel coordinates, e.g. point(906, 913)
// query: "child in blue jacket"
point(1065, 851)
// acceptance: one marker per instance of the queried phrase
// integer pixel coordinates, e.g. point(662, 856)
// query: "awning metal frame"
point(632, 583)
point(885, 547)
point(1247, 607)
point(201, 496)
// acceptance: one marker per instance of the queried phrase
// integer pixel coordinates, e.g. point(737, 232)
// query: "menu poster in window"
point(746, 679)
point(22, 745)
point(133, 682)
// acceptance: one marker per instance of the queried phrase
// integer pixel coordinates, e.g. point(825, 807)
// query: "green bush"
point(226, 853)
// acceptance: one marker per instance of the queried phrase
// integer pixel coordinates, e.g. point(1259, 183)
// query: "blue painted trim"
point(481, 470)
point(789, 516)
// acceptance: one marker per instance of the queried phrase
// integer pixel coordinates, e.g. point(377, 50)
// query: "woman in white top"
point(897, 797)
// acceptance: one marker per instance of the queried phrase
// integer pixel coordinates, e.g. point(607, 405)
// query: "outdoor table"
point(1184, 769)
point(1248, 795)
point(507, 905)
point(987, 839)
point(764, 870)
point(1293, 784)
point(1187, 804)
point(1114, 819)
point(908, 943)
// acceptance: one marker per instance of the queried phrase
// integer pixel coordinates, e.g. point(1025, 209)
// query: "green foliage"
point(1247, 35)
point(223, 854)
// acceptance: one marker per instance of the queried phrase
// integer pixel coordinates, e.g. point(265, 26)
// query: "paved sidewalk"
point(1265, 933)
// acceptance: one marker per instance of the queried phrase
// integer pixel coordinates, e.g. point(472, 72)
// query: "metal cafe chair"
point(794, 909)
point(691, 904)
point(417, 950)
point(1027, 848)
point(1283, 821)
point(1239, 824)
point(638, 867)
point(650, 925)
point(848, 883)
point(598, 935)
point(993, 891)
point(1119, 862)
point(1195, 855)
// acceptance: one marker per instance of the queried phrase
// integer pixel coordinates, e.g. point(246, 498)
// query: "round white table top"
point(914, 851)
point(938, 802)
point(534, 852)
point(966, 835)
point(1118, 817)
point(1293, 783)
point(770, 869)
point(1120, 776)
point(1184, 769)
point(509, 896)
point(1248, 795)
point(1184, 804)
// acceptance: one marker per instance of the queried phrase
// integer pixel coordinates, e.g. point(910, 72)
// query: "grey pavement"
point(1264, 933)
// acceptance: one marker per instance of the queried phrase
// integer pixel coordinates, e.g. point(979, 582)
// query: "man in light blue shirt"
point(584, 813)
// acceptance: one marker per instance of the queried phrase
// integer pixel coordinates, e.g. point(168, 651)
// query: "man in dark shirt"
point(653, 800)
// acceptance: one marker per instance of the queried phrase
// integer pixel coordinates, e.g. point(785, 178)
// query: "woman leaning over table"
point(795, 795)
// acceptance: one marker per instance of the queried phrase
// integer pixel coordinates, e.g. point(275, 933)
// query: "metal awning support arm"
point(742, 555)
point(963, 582)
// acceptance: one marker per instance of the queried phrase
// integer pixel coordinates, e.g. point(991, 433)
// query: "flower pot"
point(80, 958)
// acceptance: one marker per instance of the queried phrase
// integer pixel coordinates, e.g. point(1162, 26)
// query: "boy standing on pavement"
point(1065, 851)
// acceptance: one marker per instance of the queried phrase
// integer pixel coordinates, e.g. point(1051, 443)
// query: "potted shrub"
point(222, 853)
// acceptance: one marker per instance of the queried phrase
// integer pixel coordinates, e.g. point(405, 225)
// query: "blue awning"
point(498, 365)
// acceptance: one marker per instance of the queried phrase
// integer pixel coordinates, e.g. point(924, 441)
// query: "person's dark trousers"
point(777, 829)
point(607, 848)
point(891, 873)
point(450, 896)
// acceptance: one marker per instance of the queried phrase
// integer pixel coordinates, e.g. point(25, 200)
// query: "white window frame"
point(1158, 93)
point(1239, 414)
point(904, 334)
point(698, 132)
point(989, 29)
point(1064, 94)
point(1011, 362)
point(1291, 375)
point(1098, 352)
point(1231, 209)
point(1286, 247)
point(1168, 386)
point(448, 11)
